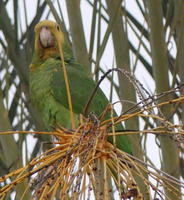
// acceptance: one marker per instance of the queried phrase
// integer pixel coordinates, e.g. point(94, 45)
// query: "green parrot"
point(47, 83)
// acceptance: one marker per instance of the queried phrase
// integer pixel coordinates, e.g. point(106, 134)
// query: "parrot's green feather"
point(49, 94)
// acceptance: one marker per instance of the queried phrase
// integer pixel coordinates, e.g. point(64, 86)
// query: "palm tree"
point(145, 41)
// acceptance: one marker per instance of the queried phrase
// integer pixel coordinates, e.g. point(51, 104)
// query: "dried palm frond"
point(84, 164)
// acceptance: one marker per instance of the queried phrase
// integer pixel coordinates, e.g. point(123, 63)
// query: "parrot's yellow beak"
point(47, 39)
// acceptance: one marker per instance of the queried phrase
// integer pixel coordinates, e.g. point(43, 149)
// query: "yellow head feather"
point(56, 32)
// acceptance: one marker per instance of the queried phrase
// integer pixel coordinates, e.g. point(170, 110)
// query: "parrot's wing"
point(81, 87)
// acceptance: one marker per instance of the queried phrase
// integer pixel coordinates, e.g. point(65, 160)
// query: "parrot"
point(47, 82)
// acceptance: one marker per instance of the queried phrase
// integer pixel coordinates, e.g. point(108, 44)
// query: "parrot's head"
point(48, 36)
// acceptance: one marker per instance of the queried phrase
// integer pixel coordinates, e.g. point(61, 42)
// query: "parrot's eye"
point(57, 27)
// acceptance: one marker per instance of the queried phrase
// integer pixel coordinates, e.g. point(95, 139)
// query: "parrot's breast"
point(53, 113)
